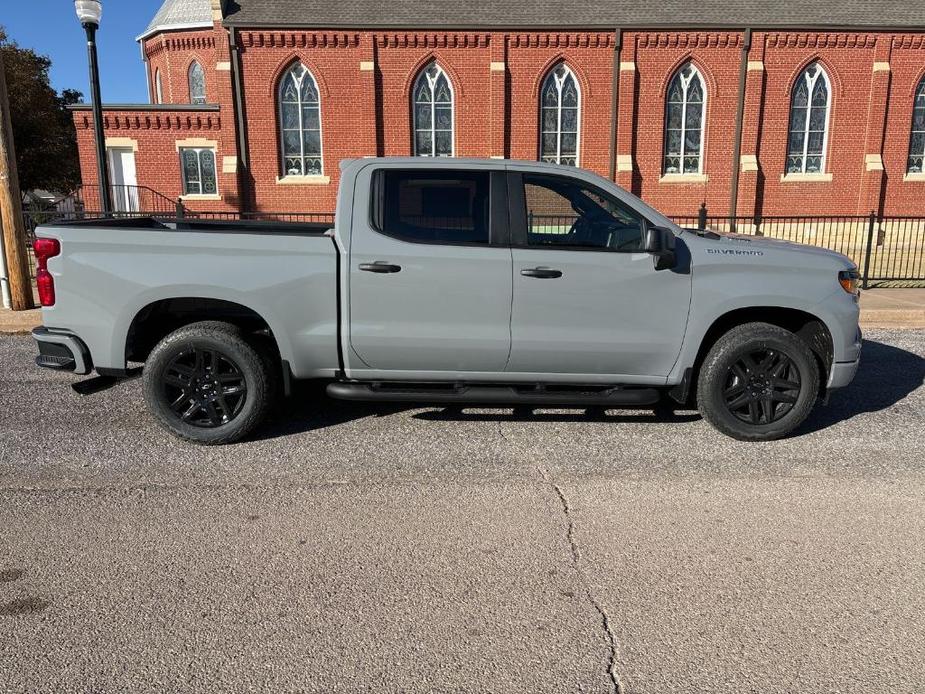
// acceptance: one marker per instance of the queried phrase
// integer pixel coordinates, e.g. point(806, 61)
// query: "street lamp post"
point(89, 13)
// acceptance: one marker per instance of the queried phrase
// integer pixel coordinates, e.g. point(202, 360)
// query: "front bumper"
point(61, 350)
point(842, 373)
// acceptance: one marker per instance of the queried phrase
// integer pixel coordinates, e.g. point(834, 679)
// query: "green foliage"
point(43, 131)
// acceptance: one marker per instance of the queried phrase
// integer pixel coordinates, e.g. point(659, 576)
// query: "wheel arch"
point(810, 328)
point(159, 318)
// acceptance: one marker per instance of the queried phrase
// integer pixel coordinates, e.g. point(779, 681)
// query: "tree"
point(43, 131)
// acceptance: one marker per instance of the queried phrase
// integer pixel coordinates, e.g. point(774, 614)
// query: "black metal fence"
point(885, 248)
point(295, 217)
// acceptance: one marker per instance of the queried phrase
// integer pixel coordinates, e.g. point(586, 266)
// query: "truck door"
point(587, 299)
point(430, 271)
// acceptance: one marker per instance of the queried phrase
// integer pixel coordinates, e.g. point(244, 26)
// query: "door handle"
point(380, 266)
point(541, 272)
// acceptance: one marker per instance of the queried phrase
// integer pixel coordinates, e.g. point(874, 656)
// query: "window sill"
point(684, 178)
point(303, 180)
point(201, 196)
point(917, 177)
point(806, 178)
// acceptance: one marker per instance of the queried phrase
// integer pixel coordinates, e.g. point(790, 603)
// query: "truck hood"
point(747, 242)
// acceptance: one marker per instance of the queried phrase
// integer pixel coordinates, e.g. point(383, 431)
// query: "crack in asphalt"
point(501, 432)
point(583, 577)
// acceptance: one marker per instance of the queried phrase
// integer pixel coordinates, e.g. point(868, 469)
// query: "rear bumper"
point(61, 350)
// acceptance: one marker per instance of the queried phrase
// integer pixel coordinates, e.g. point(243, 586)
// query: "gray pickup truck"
point(442, 281)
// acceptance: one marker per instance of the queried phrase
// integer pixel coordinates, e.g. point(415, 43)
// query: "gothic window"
point(560, 112)
point(300, 123)
point(433, 113)
point(684, 110)
point(917, 140)
point(197, 84)
point(809, 121)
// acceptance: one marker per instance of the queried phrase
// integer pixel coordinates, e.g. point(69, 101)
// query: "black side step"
point(495, 395)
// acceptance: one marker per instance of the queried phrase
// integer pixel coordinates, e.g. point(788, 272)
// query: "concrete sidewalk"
point(19, 322)
point(893, 308)
point(880, 308)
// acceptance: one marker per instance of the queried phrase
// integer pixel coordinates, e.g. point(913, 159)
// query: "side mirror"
point(660, 243)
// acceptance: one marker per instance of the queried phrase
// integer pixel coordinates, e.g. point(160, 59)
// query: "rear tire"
point(759, 382)
point(207, 384)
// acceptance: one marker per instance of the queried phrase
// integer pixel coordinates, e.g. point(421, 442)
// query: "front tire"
point(205, 383)
point(759, 382)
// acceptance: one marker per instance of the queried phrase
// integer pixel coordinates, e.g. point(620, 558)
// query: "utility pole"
point(14, 233)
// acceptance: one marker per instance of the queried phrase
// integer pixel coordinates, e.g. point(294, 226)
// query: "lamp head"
point(89, 12)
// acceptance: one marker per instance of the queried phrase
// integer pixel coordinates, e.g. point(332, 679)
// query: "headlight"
point(849, 280)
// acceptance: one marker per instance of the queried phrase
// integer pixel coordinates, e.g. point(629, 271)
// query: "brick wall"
point(154, 135)
point(172, 54)
point(365, 81)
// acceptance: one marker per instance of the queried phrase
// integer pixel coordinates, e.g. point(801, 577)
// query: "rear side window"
point(448, 207)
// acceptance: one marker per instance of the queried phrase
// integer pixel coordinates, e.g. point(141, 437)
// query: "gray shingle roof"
point(583, 13)
point(180, 14)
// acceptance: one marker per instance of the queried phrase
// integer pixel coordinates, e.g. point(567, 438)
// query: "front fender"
point(720, 289)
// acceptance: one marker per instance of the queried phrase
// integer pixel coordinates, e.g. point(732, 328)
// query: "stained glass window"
point(432, 98)
point(809, 121)
point(560, 112)
point(197, 84)
point(198, 169)
point(917, 140)
point(300, 123)
point(684, 109)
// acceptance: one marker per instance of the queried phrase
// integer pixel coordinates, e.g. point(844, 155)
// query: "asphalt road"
point(357, 548)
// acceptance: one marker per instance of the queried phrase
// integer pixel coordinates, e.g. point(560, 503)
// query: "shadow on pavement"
point(887, 375)
point(310, 409)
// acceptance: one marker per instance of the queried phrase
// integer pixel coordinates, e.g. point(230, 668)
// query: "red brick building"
point(784, 107)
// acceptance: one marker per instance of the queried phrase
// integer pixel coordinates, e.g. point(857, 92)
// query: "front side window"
point(809, 121)
point(198, 168)
point(917, 141)
point(197, 84)
point(433, 113)
point(560, 110)
point(684, 111)
point(158, 88)
point(566, 213)
point(448, 207)
point(300, 123)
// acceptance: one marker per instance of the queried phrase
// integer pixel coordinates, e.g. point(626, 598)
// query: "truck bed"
point(216, 225)
point(110, 270)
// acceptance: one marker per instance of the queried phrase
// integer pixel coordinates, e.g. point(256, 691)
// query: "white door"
point(123, 179)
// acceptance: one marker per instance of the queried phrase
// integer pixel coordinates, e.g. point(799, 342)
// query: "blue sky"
point(50, 27)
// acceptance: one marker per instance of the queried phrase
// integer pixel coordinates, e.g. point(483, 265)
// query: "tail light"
point(45, 249)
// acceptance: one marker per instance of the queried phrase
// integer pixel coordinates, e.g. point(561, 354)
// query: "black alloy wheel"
point(210, 383)
point(204, 387)
point(762, 386)
point(758, 382)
